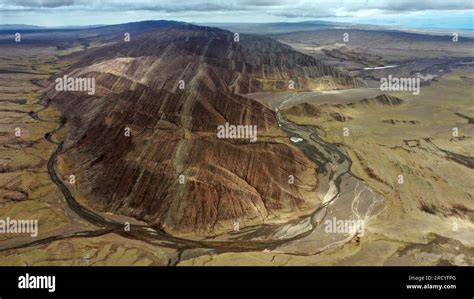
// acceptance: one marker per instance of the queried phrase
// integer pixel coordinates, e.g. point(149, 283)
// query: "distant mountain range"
point(260, 28)
point(33, 27)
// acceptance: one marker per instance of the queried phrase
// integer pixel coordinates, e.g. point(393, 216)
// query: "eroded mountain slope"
point(173, 130)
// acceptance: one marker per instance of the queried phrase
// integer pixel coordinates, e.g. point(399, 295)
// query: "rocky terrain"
point(172, 171)
point(144, 148)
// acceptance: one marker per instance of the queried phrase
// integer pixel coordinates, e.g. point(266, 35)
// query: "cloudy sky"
point(405, 13)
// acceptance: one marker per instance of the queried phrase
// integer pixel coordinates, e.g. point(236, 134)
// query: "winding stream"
point(334, 168)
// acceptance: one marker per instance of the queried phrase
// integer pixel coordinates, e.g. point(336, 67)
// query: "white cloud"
point(333, 8)
point(106, 11)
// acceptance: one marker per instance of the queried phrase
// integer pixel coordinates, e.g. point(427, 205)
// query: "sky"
point(397, 13)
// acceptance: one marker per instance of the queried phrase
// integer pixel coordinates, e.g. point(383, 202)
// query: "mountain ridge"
point(174, 131)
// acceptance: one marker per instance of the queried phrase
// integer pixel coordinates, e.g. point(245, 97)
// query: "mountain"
point(68, 37)
point(19, 27)
point(173, 130)
point(288, 27)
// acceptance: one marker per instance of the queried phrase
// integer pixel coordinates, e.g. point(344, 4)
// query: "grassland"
point(412, 140)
